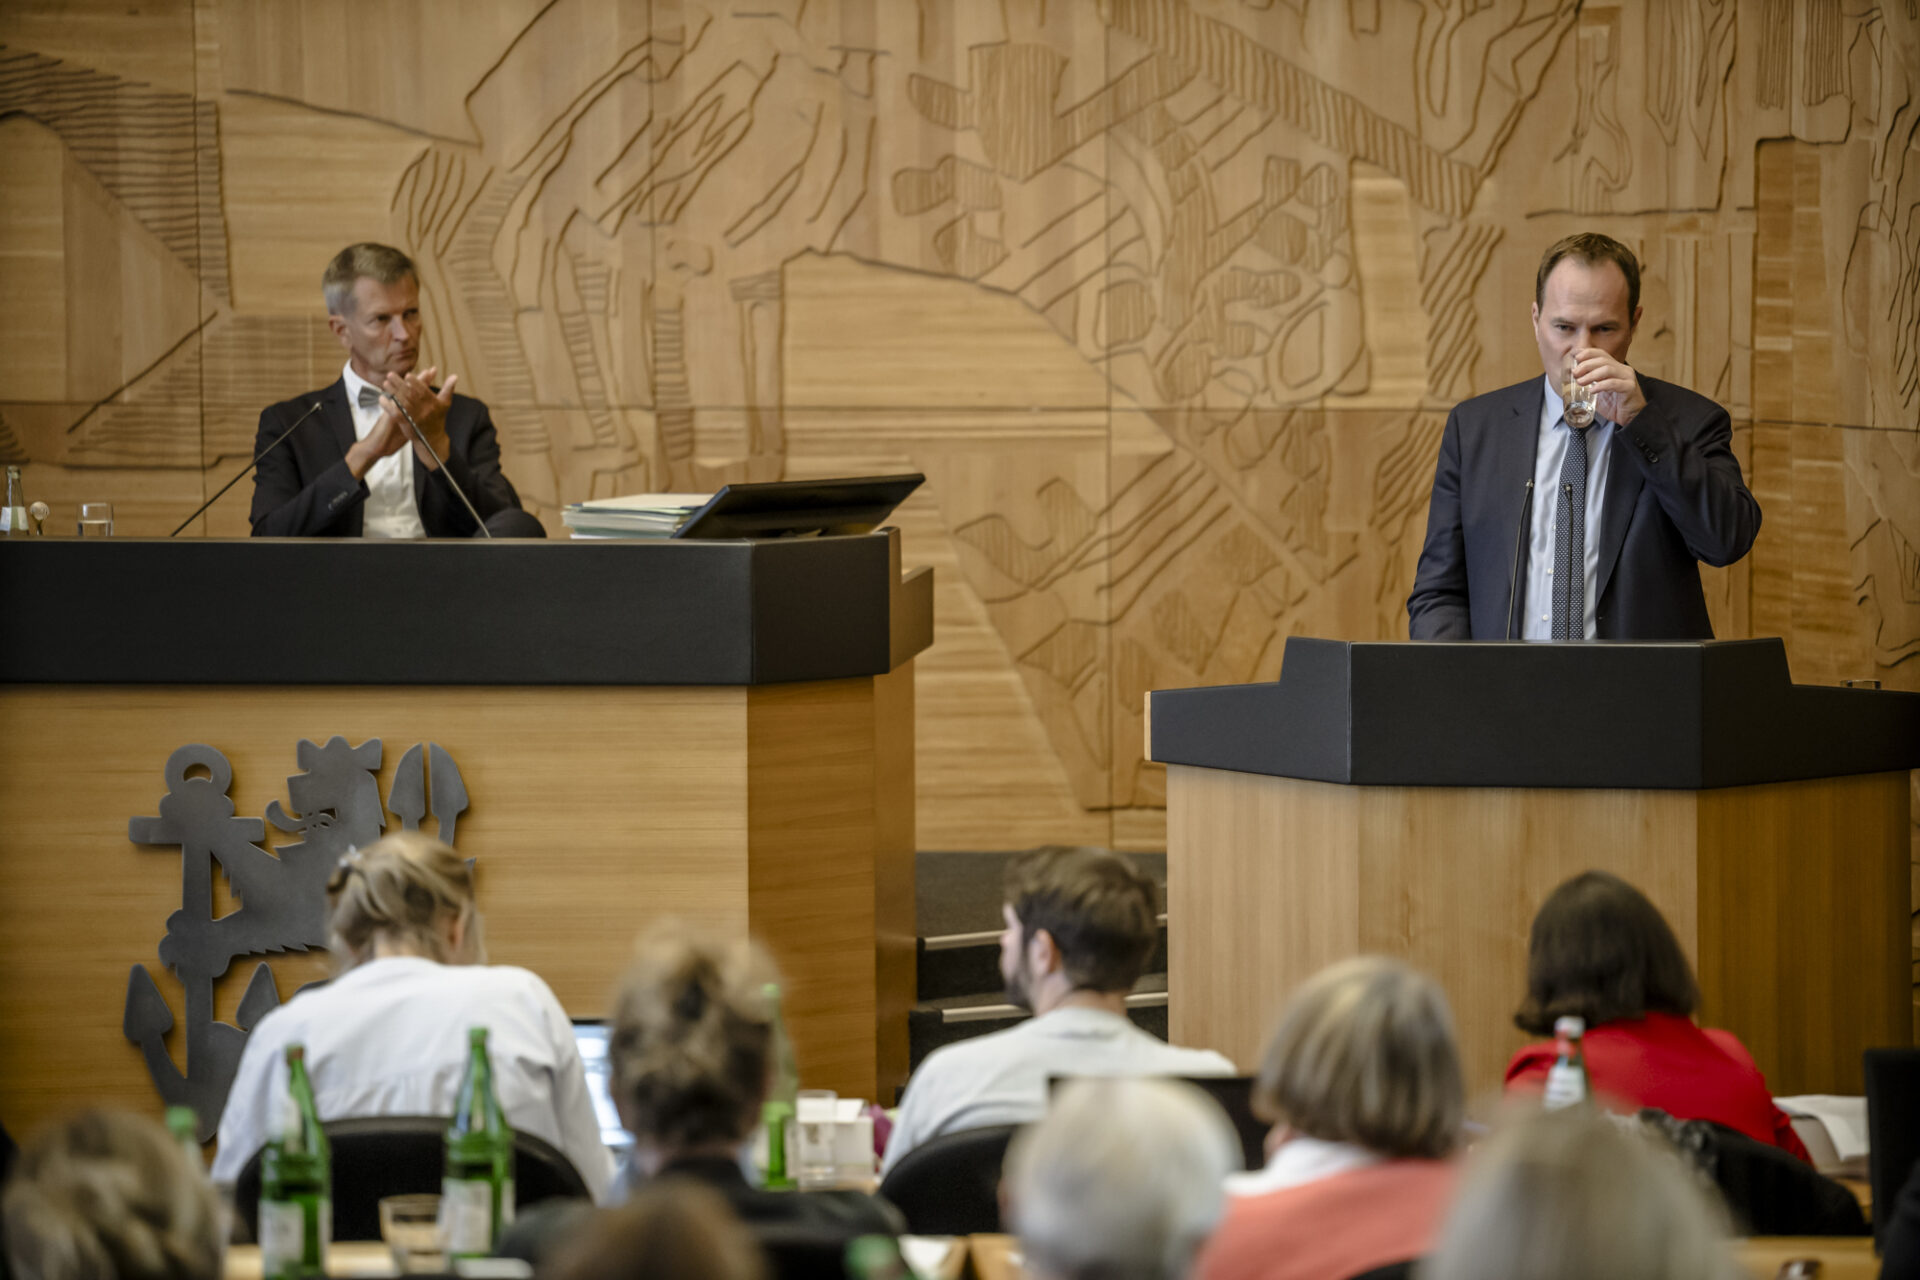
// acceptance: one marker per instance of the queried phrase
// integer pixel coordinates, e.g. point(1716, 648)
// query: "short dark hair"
point(375, 261)
point(1102, 912)
point(1599, 950)
point(1591, 248)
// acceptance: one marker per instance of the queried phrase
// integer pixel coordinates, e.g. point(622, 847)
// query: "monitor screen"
point(591, 1035)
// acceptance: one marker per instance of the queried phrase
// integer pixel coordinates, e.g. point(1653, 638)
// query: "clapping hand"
point(429, 408)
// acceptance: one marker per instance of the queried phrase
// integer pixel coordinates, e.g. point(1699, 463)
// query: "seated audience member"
point(388, 1035)
point(108, 1195)
point(676, 1229)
point(1602, 952)
point(1081, 925)
point(691, 1051)
point(1120, 1181)
point(1363, 1084)
point(1574, 1195)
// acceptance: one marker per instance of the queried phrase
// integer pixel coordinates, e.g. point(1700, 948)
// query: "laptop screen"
point(590, 1034)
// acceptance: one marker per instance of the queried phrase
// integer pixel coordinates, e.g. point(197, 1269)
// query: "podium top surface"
point(1512, 714)
point(456, 612)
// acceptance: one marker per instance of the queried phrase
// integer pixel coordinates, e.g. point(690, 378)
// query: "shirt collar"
point(354, 382)
point(1300, 1160)
point(1556, 403)
point(1075, 1020)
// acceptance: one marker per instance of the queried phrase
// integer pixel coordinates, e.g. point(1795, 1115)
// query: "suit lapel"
point(1624, 482)
point(1518, 446)
point(339, 416)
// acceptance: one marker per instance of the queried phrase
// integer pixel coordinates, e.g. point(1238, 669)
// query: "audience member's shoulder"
point(854, 1211)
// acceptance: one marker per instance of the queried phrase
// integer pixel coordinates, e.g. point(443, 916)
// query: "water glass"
point(411, 1227)
point(1580, 400)
point(96, 519)
point(813, 1126)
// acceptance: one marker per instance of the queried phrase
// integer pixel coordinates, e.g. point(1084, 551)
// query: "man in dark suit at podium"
point(1621, 500)
point(357, 469)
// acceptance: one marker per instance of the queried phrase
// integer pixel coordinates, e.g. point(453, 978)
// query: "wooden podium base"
point(781, 810)
point(1789, 898)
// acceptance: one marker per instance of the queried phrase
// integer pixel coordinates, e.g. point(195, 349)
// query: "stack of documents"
point(639, 515)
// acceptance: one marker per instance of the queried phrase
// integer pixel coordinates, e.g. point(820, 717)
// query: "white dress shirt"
point(1301, 1160)
point(1002, 1078)
point(389, 1037)
point(1549, 456)
point(390, 510)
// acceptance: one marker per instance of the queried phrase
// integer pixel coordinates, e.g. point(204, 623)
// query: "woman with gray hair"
point(388, 1035)
point(109, 1195)
point(1363, 1085)
point(1120, 1181)
point(1572, 1195)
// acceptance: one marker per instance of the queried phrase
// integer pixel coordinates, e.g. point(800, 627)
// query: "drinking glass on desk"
point(813, 1127)
point(410, 1225)
point(96, 519)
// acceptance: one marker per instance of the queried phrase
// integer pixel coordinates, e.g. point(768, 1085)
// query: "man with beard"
point(1080, 927)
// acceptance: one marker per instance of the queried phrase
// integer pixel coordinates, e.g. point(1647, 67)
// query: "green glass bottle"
point(782, 1090)
point(184, 1124)
point(296, 1184)
point(476, 1194)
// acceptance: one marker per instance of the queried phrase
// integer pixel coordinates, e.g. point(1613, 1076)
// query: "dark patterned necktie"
point(370, 397)
point(1570, 543)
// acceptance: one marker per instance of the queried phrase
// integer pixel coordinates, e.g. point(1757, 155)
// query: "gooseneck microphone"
point(440, 465)
point(311, 410)
point(1519, 541)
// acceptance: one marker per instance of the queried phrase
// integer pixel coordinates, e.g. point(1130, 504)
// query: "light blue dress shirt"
point(1550, 454)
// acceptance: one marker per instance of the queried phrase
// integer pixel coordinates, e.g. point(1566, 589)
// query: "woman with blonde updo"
point(692, 1052)
point(388, 1035)
point(108, 1195)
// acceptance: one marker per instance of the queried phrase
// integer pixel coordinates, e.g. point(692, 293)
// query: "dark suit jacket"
point(304, 490)
point(1674, 497)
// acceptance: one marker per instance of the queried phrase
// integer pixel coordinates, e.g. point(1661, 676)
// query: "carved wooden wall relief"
point(1169, 298)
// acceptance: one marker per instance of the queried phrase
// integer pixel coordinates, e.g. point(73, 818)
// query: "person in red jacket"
point(1602, 952)
point(1364, 1084)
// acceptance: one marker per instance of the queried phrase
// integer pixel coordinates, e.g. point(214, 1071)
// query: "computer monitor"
point(1893, 1128)
point(798, 508)
point(591, 1035)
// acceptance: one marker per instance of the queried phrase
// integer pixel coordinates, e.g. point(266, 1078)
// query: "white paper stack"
point(1834, 1130)
point(638, 515)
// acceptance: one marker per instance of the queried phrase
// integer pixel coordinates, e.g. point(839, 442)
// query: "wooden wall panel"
point(1168, 297)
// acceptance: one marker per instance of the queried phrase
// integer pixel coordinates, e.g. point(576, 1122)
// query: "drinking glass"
point(411, 1227)
point(1579, 399)
point(96, 519)
point(813, 1126)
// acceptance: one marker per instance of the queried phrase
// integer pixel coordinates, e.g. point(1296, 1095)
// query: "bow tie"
point(370, 397)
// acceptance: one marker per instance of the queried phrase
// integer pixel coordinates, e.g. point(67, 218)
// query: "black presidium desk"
point(1421, 801)
point(193, 733)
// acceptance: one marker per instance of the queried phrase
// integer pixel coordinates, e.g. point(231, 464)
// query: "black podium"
point(1420, 800)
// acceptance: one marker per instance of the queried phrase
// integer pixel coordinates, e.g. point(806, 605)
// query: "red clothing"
point(1667, 1062)
point(1333, 1228)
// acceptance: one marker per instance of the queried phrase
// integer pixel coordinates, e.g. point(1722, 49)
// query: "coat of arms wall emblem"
point(335, 806)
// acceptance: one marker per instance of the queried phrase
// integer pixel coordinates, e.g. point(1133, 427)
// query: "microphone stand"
point(441, 466)
point(1519, 541)
point(249, 467)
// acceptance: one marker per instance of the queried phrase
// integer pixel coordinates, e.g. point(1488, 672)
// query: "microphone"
point(1519, 541)
point(441, 466)
point(311, 410)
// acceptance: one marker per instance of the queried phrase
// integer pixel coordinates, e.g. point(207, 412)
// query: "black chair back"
point(379, 1156)
point(951, 1185)
point(1893, 1128)
point(1392, 1271)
